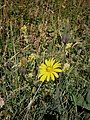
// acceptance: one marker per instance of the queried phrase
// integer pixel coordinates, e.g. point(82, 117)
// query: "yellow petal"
point(48, 76)
point(56, 65)
point(57, 70)
point(52, 62)
point(43, 78)
point(47, 62)
point(39, 75)
point(52, 77)
point(42, 65)
point(42, 70)
point(55, 74)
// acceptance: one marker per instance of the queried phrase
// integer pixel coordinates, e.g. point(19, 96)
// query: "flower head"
point(24, 29)
point(32, 57)
point(49, 70)
point(68, 45)
point(66, 67)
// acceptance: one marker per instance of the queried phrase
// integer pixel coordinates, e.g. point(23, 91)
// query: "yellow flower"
point(49, 70)
point(66, 67)
point(32, 57)
point(68, 45)
point(24, 29)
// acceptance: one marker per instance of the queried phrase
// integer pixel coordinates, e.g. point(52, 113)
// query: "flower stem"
point(31, 101)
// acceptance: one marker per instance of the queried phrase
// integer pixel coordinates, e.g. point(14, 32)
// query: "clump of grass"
point(32, 31)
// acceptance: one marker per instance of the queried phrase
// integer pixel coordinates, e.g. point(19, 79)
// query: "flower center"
point(49, 69)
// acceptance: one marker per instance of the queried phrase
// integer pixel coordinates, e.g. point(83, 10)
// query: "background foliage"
point(49, 24)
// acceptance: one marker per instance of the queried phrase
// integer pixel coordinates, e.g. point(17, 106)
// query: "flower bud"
point(64, 39)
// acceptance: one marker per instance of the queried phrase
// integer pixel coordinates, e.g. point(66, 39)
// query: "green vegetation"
point(30, 32)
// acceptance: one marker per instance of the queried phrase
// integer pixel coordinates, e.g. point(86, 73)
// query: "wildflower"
point(68, 45)
point(24, 29)
point(49, 70)
point(32, 57)
point(66, 67)
point(23, 61)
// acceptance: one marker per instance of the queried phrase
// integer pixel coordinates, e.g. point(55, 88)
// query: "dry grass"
point(50, 25)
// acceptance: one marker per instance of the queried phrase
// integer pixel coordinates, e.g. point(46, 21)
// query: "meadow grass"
point(30, 32)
